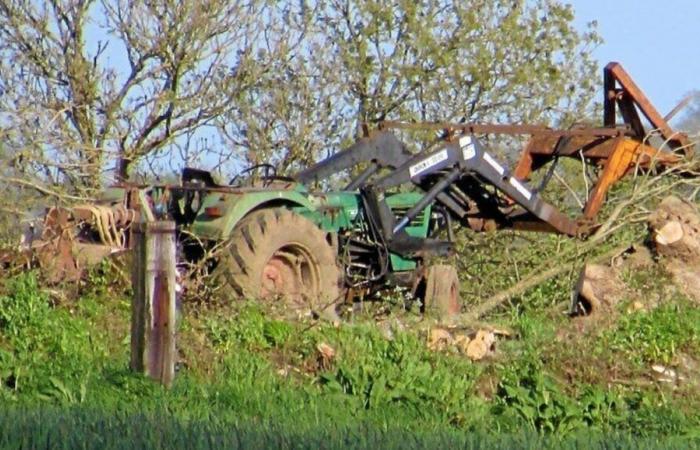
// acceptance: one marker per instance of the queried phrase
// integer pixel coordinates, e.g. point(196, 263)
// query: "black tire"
point(278, 254)
point(440, 294)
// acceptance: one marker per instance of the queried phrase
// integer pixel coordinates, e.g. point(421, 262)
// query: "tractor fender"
point(221, 213)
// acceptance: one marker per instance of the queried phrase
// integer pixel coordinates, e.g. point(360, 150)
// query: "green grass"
point(250, 380)
point(85, 428)
point(657, 336)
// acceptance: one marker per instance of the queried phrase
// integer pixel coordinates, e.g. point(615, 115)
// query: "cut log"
point(439, 339)
point(670, 233)
point(462, 343)
point(475, 345)
point(481, 346)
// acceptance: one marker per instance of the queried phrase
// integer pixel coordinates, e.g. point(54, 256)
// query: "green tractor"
point(315, 250)
point(311, 250)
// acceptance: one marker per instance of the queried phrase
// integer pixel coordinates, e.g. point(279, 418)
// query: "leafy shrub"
point(23, 306)
point(528, 394)
point(48, 354)
point(265, 370)
point(249, 328)
point(650, 416)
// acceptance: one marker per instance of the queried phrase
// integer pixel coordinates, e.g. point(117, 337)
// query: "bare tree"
point(295, 113)
point(85, 83)
point(499, 60)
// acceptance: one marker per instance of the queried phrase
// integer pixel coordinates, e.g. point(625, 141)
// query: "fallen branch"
point(540, 276)
point(648, 187)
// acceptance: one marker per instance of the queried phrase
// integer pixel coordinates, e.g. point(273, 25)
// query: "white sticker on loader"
point(520, 188)
point(467, 146)
point(427, 163)
point(493, 163)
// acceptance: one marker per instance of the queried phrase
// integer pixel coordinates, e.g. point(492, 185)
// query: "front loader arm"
point(454, 173)
point(379, 150)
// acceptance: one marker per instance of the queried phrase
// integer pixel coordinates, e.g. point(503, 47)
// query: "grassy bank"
point(246, 379)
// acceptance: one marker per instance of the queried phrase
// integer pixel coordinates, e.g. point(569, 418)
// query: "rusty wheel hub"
point(291, 273)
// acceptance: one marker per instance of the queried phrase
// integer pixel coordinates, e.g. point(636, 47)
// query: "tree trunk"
point(122, 172)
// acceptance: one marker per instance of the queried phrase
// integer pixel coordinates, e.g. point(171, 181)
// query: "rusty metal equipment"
point(617, 155)
point(617, 147)
point(69, 240)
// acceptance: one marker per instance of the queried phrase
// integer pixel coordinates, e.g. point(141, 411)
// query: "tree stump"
point(675, 227)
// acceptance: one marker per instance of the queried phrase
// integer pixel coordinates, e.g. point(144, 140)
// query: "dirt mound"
point(674, 246)
point(599, 287)
point(675, 228)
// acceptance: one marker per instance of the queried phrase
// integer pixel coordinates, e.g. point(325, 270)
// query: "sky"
point(654, 40)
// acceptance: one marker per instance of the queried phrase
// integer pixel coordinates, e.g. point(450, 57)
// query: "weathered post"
point(153, 308)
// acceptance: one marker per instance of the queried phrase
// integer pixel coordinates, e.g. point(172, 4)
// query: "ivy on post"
point(153, 307)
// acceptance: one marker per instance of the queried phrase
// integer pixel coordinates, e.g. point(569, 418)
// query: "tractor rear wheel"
point(278, 254)
point(440, 292)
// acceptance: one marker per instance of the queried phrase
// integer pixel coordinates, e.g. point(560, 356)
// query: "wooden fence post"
point(153, 308)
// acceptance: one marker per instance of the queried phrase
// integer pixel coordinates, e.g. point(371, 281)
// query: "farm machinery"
point(280, 237)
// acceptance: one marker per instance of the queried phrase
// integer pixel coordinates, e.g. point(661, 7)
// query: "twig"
point(42, 189)
point(566, 185)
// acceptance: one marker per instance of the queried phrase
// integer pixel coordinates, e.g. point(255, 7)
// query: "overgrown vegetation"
point(247, 379)
point(657, 336)
point(286, 82)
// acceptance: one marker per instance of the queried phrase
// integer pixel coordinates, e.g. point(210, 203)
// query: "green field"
point(83, 428)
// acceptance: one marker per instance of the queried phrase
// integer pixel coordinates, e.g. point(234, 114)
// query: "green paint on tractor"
point(331, 211)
